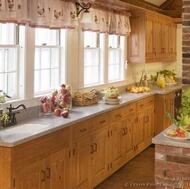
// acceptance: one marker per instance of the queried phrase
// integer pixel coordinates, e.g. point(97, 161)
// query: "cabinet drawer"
point(81, 129)
point(144, 103)
point(40, 147)
point(100, 121)
point(116, 114)
point(129, 109)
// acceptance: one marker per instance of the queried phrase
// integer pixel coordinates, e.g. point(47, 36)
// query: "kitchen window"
point(9, 59)
point(49, 59)
point(115, 57)
point(103, 58)
point(92, 58)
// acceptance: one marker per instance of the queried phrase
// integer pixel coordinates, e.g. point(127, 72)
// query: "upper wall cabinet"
point(152, 38)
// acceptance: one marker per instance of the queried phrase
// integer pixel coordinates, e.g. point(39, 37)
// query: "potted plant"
point(4, 117)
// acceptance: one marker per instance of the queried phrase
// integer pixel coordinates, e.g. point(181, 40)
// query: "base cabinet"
point(48, 173)
point(83, 155)
point(163, 104)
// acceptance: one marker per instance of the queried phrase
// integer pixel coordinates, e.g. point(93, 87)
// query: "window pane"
point(90, 39)
point(7, 34)
point(91, 67)
point(114, 65)
point(45, 36)
point(8, 70)
point(113, 41)
point(48, 59)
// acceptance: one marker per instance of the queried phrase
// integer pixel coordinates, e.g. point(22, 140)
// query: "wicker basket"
point(86, 99)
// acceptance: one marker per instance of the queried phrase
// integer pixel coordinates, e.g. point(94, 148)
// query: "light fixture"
point(80, 8)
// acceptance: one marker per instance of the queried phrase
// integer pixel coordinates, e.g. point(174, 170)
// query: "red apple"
point(57, 112)
point(67, 100)
point(43, 99)
point(62, 85)
point(65, 113)
point(45, 107)
point(63, 91)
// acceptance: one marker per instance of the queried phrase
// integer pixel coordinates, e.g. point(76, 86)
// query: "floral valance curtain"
point(108, 21)
point(39, 13)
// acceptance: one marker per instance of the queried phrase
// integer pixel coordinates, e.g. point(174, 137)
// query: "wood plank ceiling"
point(171, 8)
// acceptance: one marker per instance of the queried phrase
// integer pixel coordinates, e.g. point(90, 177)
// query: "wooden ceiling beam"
point(142, 4)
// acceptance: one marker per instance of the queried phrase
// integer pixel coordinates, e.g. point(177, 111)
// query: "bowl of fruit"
point(112, 95)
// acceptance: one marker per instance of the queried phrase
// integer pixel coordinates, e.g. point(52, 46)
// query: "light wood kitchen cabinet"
point(150, 39)
point(42, 165)
point(89, 153)
point(121, 136)
point(51, 172)
point(172, 41)
point(163, 103)
point(99, 156)
point(143, 124)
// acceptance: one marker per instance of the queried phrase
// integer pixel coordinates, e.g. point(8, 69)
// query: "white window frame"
point(60, 46)
point(15, 94)
point(104, 62)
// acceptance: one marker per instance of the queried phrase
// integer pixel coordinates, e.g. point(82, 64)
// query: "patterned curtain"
point(62, 14)
point(39, 13)
point(108, 21)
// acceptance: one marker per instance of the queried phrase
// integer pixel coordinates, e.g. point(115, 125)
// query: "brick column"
point(186, 44)
point(172, 167)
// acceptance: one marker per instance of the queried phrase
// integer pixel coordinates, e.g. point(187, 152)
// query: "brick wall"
point(186, 44)
point(172, 167)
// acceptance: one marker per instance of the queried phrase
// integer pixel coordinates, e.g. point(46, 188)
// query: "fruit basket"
point(86, 99)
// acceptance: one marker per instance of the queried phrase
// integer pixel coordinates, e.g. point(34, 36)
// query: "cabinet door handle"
point(43, 175)
point(83, 130)
point(123, 131)
point(92, 149)
point(48, 172)
point(95, 147)
point(131, 110)
point(126, 130)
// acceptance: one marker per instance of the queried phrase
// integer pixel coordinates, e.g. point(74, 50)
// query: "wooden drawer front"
point(81, 129)
point(116, 114)
point(129, 109)
point(144, 103)
point(40, 147)
point(32, 150)
point(100, 121)
point(61, 139)
point(150, 101)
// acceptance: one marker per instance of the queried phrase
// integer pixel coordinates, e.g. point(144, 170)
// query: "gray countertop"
point(10, 137)
point(160, 139)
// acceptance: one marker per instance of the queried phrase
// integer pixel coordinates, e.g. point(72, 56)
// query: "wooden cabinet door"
point(150, 39)
point(31, 176)
point(127, 136)
point(81, 164)
point(158, 38)
point(138, 133)
point(99, 156)
point(165, 39)
point(58, 170)
point(172, 42)
point(148, 125)
point(115, 146)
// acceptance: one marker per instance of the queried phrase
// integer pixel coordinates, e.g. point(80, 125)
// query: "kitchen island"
point(172, 162)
